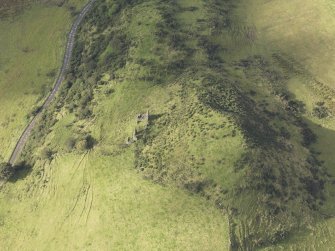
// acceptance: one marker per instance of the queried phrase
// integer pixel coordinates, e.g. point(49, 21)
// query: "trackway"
point(66, 62)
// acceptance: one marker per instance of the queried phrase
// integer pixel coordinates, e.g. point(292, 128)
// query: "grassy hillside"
point(81, 200)
point(211, 118)
point(32, 48)
point(306, 39)
point(302, 30)
point(85, 202)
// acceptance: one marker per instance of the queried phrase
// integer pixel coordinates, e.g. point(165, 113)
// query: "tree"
point(320, 112)
point(46, 154)
point(6, 171)
point(86, 143)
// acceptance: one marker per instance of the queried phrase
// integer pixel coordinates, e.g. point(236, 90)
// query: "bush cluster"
point(6, 171)
point(320, 111)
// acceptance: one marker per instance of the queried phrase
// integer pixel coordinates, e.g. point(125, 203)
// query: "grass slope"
point(240, 117)
point(96, 200)
point(86, 202)
point(32, 51)
point(308, 38)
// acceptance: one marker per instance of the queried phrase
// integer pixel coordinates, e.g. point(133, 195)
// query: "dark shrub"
point(6, 171)
point(320, 112)
point(86, 143)
point(308, 135)
point(46, 154)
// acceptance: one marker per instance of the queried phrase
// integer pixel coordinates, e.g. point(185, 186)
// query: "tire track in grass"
point(79, 164)
point(84, 191)
point(82, 187)
point(91, 199)
point(46, 186)
point(49, 183)
point(88, 202)
point(71, 210)
point(79, 211)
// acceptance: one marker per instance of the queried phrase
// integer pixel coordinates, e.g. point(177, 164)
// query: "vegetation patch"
point(232, 121)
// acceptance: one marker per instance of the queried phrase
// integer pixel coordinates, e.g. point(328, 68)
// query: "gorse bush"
point(86, 143)
point(46, 154)
point(320, 111)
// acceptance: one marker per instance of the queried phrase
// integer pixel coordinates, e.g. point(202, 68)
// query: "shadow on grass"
point(153, 117)
point(21, 171)
point(325, 149)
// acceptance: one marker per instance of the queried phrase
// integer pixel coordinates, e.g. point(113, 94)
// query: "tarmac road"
point(66, 62)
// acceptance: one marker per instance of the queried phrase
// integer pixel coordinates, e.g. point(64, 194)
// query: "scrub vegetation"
point(187, 125)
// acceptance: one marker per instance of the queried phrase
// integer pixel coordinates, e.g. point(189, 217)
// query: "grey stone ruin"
point(134, 135)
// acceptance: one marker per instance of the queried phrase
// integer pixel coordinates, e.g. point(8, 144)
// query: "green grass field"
point(91, 202)
point(301, 30)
